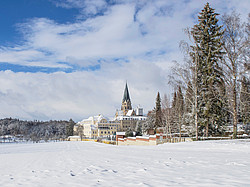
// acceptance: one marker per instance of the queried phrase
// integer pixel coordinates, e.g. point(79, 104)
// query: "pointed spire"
point(126, 94)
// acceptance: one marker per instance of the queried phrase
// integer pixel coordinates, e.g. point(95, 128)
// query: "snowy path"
point(210, 163)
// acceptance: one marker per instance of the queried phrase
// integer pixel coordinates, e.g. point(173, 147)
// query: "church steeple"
point(126, 102)
point(126, 94)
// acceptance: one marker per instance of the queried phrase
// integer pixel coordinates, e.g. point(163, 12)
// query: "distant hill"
point(33, 130)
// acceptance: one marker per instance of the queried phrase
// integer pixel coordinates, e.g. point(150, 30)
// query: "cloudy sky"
point(62, 59)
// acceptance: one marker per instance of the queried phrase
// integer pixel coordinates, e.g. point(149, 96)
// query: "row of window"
point(105, 132)
point(134, 119)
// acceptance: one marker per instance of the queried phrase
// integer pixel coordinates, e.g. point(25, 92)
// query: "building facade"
point(125, 119)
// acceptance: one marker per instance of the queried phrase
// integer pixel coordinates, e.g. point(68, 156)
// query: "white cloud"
point(130, 29)
point(80, 94)
point(145, 33)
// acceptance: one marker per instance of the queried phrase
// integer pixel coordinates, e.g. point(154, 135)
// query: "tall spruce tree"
point(158, 112)
point(174, 100)
point(207, 35)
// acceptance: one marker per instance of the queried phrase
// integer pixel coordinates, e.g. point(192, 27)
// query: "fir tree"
point(158, 112)
point(245, 100)
point(70, 128)
point(174, 100)
point(129, 133)
point(207, 35)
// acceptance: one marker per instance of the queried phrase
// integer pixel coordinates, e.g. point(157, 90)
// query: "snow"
point(204, 163)
point(129, 113)
point(121, 133)
point(93, 118)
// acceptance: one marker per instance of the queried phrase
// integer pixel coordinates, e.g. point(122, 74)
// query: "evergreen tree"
point(129, 133)
point(174, 100)
point(70, 128)
point(149, 123)
point(245, 100)
point(138, 131)
point(207, 35)
point(158, 112)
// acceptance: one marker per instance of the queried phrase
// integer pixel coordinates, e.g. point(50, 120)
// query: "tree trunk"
point(180, 123)
point(196, 97)
point(196, 125)
point(234, 110)
point(207, 130)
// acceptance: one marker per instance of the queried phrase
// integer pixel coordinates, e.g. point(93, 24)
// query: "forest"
point(212, 86)
point(35, 130)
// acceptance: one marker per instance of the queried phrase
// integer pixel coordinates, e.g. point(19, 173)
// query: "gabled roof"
point(130, 113)
point(126, 94)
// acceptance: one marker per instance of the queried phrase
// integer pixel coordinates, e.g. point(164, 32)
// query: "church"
point(126, 107)
point(125, 119)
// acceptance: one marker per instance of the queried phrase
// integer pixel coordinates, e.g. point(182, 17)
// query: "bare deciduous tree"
point(235, 42)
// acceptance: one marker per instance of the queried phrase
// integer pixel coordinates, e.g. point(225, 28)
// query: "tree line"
point(36, 130)
point(212, 85)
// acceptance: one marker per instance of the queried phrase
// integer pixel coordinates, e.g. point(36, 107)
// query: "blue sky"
point(14, 12)
point(62, 59)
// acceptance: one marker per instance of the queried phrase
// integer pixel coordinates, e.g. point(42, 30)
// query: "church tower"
point(126, 102)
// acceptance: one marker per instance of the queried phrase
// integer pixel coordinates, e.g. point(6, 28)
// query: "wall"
point(150, 140)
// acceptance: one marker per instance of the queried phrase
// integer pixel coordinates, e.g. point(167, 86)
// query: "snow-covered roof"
point(94, 118)
point(120, 133)
point(129, 113)
point(131, 118)
point(74, 137)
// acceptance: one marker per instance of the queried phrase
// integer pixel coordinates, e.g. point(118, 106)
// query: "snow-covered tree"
point(245, 100)
point(70, 128)
point(207, 35)
point(167, 114)
point(158, 112)
point(179, 109)
point(235, 41)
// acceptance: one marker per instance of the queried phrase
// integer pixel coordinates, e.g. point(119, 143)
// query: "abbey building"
point(126, 107)
point(125, 119)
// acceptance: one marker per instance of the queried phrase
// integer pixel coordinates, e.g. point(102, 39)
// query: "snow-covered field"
point(208, 163)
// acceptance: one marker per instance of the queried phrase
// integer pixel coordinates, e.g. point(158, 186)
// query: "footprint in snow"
point(72, 174)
